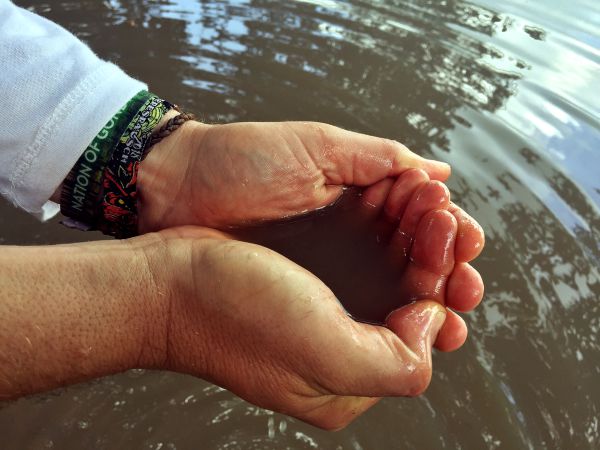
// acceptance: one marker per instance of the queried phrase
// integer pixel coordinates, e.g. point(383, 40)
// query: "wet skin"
point(401, 240)
point(275, 334)
point(220, 176)
point(227, 175)
point(430, 243)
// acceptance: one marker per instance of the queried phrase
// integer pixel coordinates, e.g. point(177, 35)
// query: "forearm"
point(72, 313)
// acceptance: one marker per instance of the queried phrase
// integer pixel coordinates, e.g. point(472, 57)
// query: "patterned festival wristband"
point(117, 210)
point(83, 185)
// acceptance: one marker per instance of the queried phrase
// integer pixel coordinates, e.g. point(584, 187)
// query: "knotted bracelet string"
point(172, 125)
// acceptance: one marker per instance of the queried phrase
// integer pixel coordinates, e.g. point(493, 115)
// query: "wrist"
point(148, 294)
point(163, 177)
point(99, 192)
point(178, 259)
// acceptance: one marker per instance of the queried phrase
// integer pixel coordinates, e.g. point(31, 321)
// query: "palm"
point(276, 335)
point(254, 176)
point(227, 175)
point(393, 244)
point(254, 322)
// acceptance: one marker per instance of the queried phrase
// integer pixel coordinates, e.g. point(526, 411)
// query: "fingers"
point(464, 290)
point(391, 196)
point(433, 248)
point(374, 197)
point(453, 333)
point(430, 196)
point(356, 159)
point(433, 274)
point(433, 195)
point(471, 239)
point(431, 258)
point(402, 191)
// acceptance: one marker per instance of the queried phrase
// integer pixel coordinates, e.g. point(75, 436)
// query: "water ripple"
point(506, 93)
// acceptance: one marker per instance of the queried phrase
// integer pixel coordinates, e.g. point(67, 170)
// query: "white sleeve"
point(56, 96)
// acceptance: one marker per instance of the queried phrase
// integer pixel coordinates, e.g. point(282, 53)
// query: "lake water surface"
point(507, 92)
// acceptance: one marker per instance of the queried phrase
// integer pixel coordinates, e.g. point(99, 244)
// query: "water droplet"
point(271, 428)
point(282, 426)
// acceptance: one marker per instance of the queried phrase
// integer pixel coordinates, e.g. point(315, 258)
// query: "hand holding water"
point(254, 322)
point(223, 175)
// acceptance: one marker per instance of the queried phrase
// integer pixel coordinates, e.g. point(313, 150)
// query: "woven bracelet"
point(100, 192)
point(120, 199)
point(172, 125)
point(83, 185)
point(117, 210)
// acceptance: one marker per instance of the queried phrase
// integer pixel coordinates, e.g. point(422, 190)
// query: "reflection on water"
point(506, 94)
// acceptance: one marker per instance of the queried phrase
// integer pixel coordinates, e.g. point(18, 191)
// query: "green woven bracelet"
point(117, 211)
point(82, 187)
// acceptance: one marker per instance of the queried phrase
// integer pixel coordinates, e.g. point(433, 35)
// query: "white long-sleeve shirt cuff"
point(57, 96)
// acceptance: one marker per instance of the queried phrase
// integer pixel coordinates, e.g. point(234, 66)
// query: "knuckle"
point(415, 175)
point(419, 379)
point(393, 145)
point(389, 145)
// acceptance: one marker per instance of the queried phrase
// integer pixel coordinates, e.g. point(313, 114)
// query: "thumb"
point(417, 326)
point(395, 361)
point(378, 362)
point(355, 159)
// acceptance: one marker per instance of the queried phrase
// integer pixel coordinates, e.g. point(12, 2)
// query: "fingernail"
point(445, 167)
point(436, 321)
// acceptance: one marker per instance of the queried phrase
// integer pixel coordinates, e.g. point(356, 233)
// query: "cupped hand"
point(431, 242)
point(223, 175)
point(401, 240)
point(248, 319)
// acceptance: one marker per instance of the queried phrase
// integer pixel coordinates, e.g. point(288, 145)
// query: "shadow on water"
point(505, 95)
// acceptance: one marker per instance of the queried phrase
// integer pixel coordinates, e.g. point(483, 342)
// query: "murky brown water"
point(507, 93)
